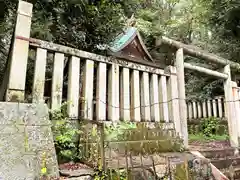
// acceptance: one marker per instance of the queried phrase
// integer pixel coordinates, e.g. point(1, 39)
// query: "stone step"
point(225, 163)
point(218, 153)
point(236, 173)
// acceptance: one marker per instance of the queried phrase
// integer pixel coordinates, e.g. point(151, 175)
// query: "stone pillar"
point(220, 109)
point(145, 97)
point(87, 90)
point(204, 109)
point(57, 81)
point(73, 87)
point(230, 115)
point(209, 108)
point(101, 92)
point(163, 98)
point(154, 97)
point(173, 99)
point(214, 105)
point(182, 95)
point(125, 94)
point(194, 110)
point(39, 76)
point(113, 93)
point(190, 111)
point(135, 96)
point(199, 109)
point(236, 106)
point(19, 55)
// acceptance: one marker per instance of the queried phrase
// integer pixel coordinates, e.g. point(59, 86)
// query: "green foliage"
point(77, 23)
point(209, 126)
point(64, 135)
point(209, 129)
point(115, 175)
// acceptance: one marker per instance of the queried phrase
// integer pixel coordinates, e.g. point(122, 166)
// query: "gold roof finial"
point(131, 22)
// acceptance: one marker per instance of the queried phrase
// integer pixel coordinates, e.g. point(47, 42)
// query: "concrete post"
point(190, 111)
point(163, 97)
point(19, 56)
point(194, 110)
point(181, 91)
point(236, 106)
point(173, 99)
point(204, 106)
point(101, 91)
point(220, 109)
point(145, 97)
point(232, 124)
point(125, 94)
point(199, 110)
point(73, 87)
point(214, 105)
point(209, 108)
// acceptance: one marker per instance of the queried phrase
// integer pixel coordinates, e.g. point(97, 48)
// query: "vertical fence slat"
point(163, 98)
point(87, 91)
point(174, 99)
point(154, 97)
point(101, 91)
point(57, 80)
point(145, 101)
point(220, 109)
point(19, 55)
point(199, 110)
point(73, 87)
point(190, 111)
point(194, 110)
point(135, 96)
point(125, 95)
point(204, 106)
point(209, 108)
point(39, 75)
point(214, 104)
point(113, 93)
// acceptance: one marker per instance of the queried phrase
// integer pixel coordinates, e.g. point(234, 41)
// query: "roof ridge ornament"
point(131, 22)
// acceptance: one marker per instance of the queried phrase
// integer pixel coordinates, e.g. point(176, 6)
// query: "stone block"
point(26, 142)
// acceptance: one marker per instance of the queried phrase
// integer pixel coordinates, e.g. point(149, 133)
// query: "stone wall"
point(26, 142)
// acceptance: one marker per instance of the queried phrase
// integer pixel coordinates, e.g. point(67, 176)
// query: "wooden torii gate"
point(231, 92)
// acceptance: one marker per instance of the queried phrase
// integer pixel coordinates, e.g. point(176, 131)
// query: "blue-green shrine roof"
point(123, 39)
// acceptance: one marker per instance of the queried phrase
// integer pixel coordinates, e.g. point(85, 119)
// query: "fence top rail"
point(141, 66)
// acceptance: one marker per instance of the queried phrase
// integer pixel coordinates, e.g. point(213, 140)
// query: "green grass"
point(203, 138)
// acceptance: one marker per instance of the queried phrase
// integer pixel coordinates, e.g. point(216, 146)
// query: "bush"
point(64, 135)
point(210, 127)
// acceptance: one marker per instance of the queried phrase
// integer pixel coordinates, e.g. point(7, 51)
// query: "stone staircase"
point(227, 160)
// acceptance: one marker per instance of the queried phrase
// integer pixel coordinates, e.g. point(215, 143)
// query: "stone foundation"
point(26, 143)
